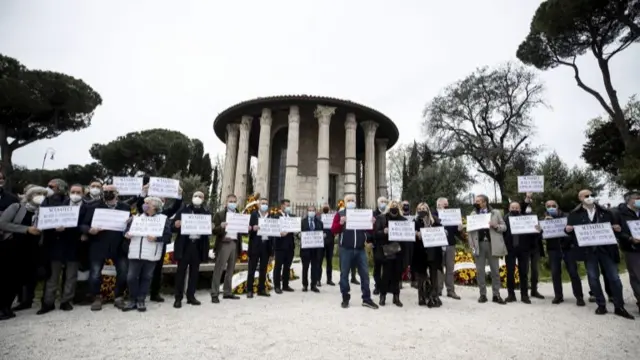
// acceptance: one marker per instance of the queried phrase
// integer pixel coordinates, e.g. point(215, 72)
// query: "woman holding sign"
point(388, 251)
point(426, 259)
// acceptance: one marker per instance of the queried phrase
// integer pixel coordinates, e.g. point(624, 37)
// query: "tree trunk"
point(618, 117)
point(503, 193)
point(6, 166)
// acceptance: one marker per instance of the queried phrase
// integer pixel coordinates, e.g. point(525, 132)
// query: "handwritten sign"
point(478, 222)
point(290, 224)
point(595, 234)
point(359, 219)
point(553, 228)
point(434, 236)
point(327, 220)
point(164, 188)
point(127, 185)
point(269, 227)
point(148, 225)
point(524, 224)
point(195, 224)
point(108, 219)
point(58, 216)
point(450, 217)
point(634, 228)
point(402, 231)
point(532, 183)
point(311, 239)
point(237, 223)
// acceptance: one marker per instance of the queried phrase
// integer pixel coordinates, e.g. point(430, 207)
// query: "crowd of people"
point(28, 254)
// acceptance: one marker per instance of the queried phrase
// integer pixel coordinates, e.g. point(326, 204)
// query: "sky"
point(176, 65)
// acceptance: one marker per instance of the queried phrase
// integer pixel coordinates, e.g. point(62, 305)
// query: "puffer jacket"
point(141, 248)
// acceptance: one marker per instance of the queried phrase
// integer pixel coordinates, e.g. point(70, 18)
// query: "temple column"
point(350, 126)
point(264, 150)
point(291, 175)
point(240, 189)
point(323, 113)
point(369, 128)
point(229, 171)
point(381, 154)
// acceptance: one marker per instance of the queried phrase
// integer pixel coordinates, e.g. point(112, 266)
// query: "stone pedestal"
point(369, 128)
point(381, 168)
point(323, 113)
point(264, 152)
point(291, 175)
point(229, 171)
point(243, 159)
point(350, 126)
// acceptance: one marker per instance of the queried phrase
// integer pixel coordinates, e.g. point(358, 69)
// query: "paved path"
point(306, 326)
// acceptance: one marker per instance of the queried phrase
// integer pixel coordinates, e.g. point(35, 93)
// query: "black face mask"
point(405, 207)
point(477, 206)
point(393, 211)
point(514, 213)
point(422, 214)
point(109, 195)
point(325, 210)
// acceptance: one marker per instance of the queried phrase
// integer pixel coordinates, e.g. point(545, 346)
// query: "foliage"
point(214, 195)
point(36, 105)
point(485, 118)
point(562, 30)
point(190, 184)
point(81, 174)
point(395, 170)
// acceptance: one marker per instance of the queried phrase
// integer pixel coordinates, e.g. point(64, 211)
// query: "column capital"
point(350, 123)
point(233, 129)
point(266, 119)
point(369, 127)
point(245, 123)
point(324, 111)
point(294, 115)
point(382, 142)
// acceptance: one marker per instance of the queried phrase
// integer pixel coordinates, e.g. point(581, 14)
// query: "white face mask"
point(528, 210)
point(589, 200)
point(75, 198)
point(49, 192)
point(38, 199)
point(94, 191)
point(351, 205)
point(197, 201)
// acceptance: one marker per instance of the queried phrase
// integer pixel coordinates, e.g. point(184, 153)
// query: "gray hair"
point(155, 202)
point(30, 191)
point(62, 185)
point(441, 200)
point(382, 198)
point(199, 193)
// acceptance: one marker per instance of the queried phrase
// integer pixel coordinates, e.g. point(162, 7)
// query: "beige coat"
point(498, 248)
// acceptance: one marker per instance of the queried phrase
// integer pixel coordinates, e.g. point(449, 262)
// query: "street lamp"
point(49, 152)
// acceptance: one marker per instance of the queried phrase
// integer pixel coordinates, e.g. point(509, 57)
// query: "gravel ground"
point(313, 326)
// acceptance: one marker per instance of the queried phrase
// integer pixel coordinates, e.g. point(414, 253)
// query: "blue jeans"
point(348, 259)
point(95, 276)
point(556, 257)
point(599, 259)
point(139, 278)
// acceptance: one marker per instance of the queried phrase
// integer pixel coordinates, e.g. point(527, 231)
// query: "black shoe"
point(438, 301)
point(22, 306)
point(287, 289)
point(319, 284)
point(453, 295)
point(383, 300)
point(156, 298)
point(431, 303)
point(231, 297)
point(580, 302)
point(344, 304)
point(45, 309)
point(536, 295)
point(601, 310)
point(6, 314)
point(177, 304)
point(278, 291)
point(355, 281)
point(215, 300)
point(396, 301)
point(331, 283)
point(498, 300)
point(511, 298)
point(263, 293)
point(525, 300)
point(376, 291)
point(370, 304)
point(142, 307)
point(422, 301)
point(66, 306)
point(623, 313)
point(557, 300)
point(315, 289)
point(131, 305)
point(483, 299)
point(194, 302)
point(250, 295)
point(304, 289)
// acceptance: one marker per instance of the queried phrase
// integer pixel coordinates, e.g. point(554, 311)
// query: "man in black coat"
point(311, 256)
point(283, 248)
point(377, 263)
point(607, 256)
point(6, 198)
point(329, 247)
point(628, 213)
point(260, 250)
point(537, 248)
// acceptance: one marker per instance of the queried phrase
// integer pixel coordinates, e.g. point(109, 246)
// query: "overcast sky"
point(176, 65)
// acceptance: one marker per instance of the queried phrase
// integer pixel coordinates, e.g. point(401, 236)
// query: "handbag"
point(390, 250)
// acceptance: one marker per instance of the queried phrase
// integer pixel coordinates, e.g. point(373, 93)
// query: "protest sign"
point(311, 239)
point(269, 227)
point(195, 224)
point(595, 234)
point(148, 225)
point(434, 237)
point(553, 228)
point(51, 217)
point(523, 224)
point(108, 219)
point(478, 222)
point(533, 183)
point(128, 185)
point(164, 187)
point(359, 219)
point(402, 231)
point(290, 224)
point(450, 217)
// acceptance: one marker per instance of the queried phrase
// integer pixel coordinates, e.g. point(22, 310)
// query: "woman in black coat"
point(424, 259)
point(389, 253)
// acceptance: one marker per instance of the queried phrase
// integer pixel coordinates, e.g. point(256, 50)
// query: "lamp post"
point(49, 152)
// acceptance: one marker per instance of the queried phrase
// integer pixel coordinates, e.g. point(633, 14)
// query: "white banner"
point(311, 239)
point(164, 187)
point(450, 217)
point(478, 222)
point(532, 183)
point(359, 219)
point(127, 185)
point(108, 219)
point(553, 228)
point(148, 225)
point(195, 224)
point(290, 224)
point(402, 231)
point(51, 217)
point(269, 227)
point(595, 234)
point(434, 236)
point(327, 220)
point(523, 224)
point(237, 224)
point(634, 228)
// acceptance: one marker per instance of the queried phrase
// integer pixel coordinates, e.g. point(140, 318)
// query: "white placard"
point(523, 224)
point(409, 217)
point(327, 220)
point(450, 217)
point(532, 183)
point(311, 239)
point(634, 228)
point(595, 234)
point(237, 223)
point(51, 217)
point(269, 227)
point(434, 236)
point(478, 222)
point(195, 224)
point(553, 228)
point(148, 225)
point(127, 185)
point(290, 224)
point(164, 188)
point(108, 219)
point(402, 231)
point(359, 219)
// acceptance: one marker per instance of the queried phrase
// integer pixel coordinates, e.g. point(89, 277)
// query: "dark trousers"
point(156, 282)
point(311, 258)
point(522, 258)
point(391, 276)
point(282, 268)
point(260, 257)
point(597, 260)
point(190, 260)
point(327, 254)
point(607, 287)
point(377, 271)
point(556, 257)
point(348, 259)
point(9, 279)
point(139, 278)
point(95, 275)
point(29, 260)
point(535, 269)
point(435, 268)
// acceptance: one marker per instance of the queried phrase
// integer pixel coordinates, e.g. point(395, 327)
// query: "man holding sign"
point(601, 249)
point(311, 252)
point(629, 238)
point(284, 248)
point(260, 250)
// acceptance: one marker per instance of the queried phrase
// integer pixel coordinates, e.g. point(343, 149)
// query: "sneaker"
point(498, 300)
point(66, 306)
point(370, 304)
point(119, 302)
point(483, 299)
point(623, 313)
point(156, 298)
point(537, 295)
point(96, 305)
point(557, 300)
point(525, 300)
point(580, 302)
point(601, 310)
point(511, 298)
point(45, 309)
point(453, 295)
point(194, 302)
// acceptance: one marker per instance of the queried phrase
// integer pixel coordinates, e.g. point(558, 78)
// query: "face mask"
point(264, 207)
point(325, 210)
point(232, 206)
point(109, 195)
point(393, 211)
point(382, 206)
point(75, 198)
point(94, 191)
point(422, 214)
point(636, 204)
point(287, 210)
point(311, 214)
point(476, 206)
point(514, 213)
point(589, 200)
point(38, 199)
point(50, 192)
point(351, 205)
point(405, 207)
point(528, 210)
point(552, 211)
point(145, 207)
point(196, 201)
